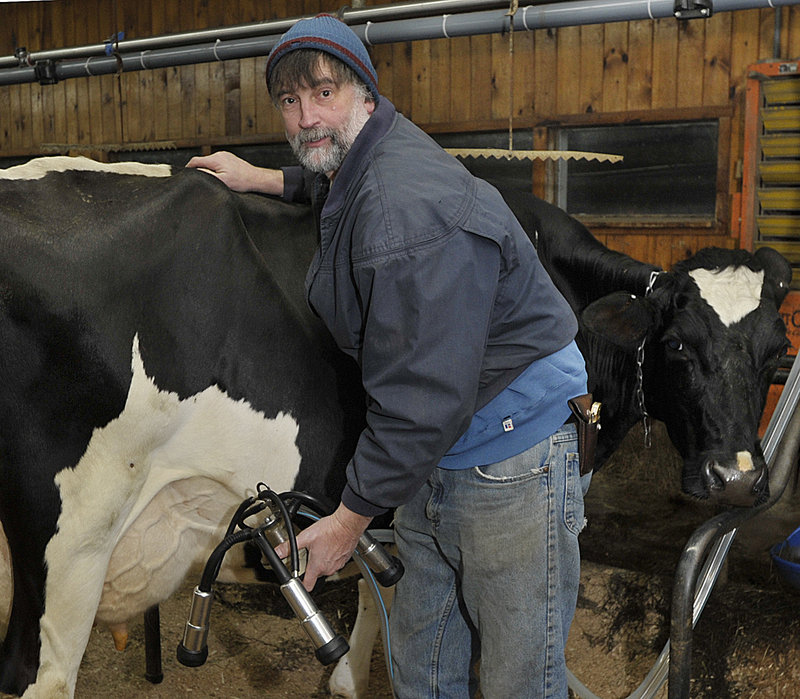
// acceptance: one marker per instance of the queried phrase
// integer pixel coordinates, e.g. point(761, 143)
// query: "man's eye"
point(326, 93)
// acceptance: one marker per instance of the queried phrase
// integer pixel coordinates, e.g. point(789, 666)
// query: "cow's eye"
point(674, 344)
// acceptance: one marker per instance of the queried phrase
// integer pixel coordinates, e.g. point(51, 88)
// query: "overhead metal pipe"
point(400, 10)
point(558, 14)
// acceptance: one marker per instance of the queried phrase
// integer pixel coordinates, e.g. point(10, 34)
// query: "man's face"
point(322, 120)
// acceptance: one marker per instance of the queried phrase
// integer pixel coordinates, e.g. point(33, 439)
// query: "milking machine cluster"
point(277, 514)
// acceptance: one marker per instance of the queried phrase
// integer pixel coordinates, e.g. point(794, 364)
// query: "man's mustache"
point(308, 135)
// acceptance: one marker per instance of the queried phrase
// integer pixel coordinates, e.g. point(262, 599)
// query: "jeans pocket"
point(522, 467)
point(573, 494)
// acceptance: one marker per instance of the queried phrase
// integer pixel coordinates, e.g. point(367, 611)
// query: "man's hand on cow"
point(330, 543)
point(238, 174)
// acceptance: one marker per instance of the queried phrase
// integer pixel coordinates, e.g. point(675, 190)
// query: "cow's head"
point(713, 341)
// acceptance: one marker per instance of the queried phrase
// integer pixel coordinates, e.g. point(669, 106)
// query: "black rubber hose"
point(214, 561)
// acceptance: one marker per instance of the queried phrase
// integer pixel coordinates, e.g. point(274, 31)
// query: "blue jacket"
point(425, 277)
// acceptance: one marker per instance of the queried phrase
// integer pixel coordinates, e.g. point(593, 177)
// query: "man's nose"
point(309, 115)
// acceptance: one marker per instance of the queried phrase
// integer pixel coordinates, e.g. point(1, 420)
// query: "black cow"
point(157, 356)
point(708, 335)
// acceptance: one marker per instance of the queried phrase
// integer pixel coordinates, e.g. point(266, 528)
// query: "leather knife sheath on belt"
point(586, 416)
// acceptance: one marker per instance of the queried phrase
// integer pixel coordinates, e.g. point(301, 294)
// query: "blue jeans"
point(492, 572)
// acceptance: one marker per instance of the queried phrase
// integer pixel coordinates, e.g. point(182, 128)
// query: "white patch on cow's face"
point(744, 461)
point(731, 292)
point(157, 441)
point(38, 167)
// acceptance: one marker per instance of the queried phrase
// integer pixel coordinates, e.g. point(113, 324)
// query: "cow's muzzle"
point(738, 485)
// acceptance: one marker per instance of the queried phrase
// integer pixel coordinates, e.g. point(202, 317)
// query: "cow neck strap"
point(646, 422)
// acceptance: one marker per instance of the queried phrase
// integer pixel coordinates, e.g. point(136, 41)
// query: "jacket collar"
point(373, 131)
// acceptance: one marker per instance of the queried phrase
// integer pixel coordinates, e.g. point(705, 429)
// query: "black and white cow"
point(156, 363)
point(708, 333)
point(157, 360)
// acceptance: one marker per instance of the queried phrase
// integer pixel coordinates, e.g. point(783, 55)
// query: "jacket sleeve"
point(296, 184)
point(427, 315)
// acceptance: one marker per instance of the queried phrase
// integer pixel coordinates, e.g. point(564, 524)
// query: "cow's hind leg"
point(19, 651)
point(26, 536)
point(350, 677)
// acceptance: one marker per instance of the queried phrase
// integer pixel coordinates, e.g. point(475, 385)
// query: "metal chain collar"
point(646, 422)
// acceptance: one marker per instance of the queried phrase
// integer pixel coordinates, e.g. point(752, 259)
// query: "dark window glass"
point(668, 170)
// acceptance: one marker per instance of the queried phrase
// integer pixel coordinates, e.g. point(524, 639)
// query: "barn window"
point(506, 174)
point(669, 171)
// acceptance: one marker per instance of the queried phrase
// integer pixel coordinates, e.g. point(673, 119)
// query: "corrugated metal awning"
point(532, 154)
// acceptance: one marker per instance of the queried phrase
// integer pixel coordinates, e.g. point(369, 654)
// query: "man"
point(468, 359)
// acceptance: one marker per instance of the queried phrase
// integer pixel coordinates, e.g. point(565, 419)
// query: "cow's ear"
point(621, 318)
point(777, 273)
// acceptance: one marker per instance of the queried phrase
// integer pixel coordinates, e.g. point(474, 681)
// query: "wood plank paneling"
point(161, 88)
point(421, 87)
point(218, 76)
point(690, 65)
point(766, 33)
point(480, 88)
point(569, 67)
point(717, 62)
point(439, 80)
point(247, 92)
point(640, 65)
point(501, 76)
point(665, 59)
point(614, 91)
point(202, 102)
point(545, 99)
point(791, 20)
point(599, 69)
point(524, 86)
point(401, 80)
point(744, 45)
point(58, 92)
point(593, 58)
point(21, 99)
point(146, 78)
point(382, 60)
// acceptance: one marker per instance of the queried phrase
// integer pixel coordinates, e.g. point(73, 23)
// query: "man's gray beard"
point(329, 158)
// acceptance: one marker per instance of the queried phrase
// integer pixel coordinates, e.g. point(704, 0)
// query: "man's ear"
point(370, 105)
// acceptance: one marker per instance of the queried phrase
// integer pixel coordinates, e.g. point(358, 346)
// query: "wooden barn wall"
point(639, 70)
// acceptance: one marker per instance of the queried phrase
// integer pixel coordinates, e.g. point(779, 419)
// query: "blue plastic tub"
point(786, 557)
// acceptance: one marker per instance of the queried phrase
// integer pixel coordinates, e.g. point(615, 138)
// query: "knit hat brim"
point(326, 33)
